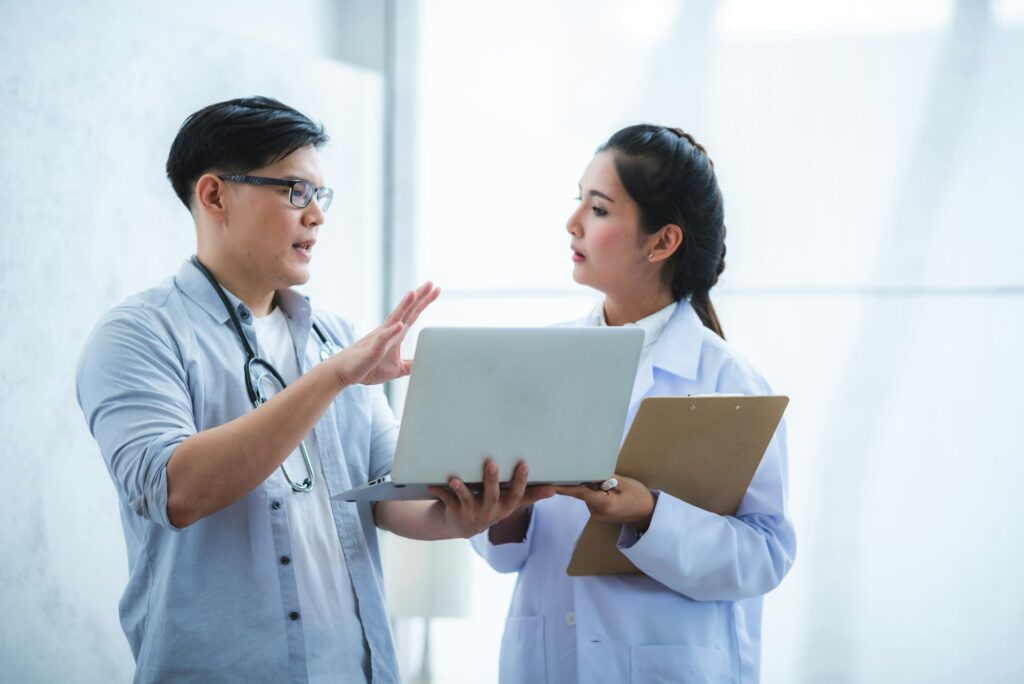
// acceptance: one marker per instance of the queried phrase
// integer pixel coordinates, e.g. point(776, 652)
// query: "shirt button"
point(285, 560)
point(243, 312)
point(275, 505)
point(570, 618)
point(293, 615)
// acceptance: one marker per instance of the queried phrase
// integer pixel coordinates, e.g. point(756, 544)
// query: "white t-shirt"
point(326, 598)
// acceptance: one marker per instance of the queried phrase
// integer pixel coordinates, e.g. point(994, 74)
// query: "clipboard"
point(701, 449)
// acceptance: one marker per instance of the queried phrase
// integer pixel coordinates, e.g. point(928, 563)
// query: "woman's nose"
point(572, 226)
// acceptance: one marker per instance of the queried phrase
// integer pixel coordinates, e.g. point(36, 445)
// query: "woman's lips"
point(577, 257)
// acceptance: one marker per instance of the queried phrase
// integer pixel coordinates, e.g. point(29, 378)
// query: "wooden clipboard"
point(703, 450)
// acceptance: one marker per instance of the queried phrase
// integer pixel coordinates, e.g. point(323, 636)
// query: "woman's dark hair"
point(237, 136)
point(672, 179)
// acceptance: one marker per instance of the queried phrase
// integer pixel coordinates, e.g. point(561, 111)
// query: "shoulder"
point(147, 324)
point(732, 371)
point(145, 315)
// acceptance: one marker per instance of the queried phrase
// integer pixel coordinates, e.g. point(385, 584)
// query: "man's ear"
point(209, 194)
point(665, 242)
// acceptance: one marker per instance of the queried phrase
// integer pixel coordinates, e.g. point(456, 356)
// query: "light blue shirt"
point(217, 601)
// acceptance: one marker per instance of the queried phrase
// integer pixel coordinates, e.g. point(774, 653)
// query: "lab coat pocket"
point(522, 651)
point(679, 664)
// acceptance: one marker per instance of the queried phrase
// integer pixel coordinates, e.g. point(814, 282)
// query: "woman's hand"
point(468, 514)
point(377, 357)
point(630, 502)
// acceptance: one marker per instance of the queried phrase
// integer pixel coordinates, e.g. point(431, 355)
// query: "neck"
point(630, 307)
point(254, 295)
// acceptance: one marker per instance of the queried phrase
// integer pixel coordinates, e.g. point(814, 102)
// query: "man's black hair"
point(236, 137)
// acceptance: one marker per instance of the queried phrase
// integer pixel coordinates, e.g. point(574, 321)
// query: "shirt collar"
point(652, 325)
point(677, 349)
point(197, 288)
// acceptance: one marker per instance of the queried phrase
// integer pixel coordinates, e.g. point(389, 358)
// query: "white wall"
point(91, 95)
point(870, 156)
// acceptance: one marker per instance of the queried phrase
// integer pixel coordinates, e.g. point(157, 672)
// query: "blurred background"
point(870, 157)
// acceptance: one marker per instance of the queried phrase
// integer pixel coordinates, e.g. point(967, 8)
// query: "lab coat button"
point(570, 618)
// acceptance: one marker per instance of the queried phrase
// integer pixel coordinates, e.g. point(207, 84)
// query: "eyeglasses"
point(300, 194)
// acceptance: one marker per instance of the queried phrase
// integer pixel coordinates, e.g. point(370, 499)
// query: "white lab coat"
point(695, 613)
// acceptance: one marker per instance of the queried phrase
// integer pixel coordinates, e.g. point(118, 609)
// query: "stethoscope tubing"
point(256, 395)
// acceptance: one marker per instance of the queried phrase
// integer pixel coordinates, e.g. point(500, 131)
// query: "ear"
point(209, 195)
point(665, 242)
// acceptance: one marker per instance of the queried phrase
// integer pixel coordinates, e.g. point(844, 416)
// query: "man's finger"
point(386, 339)
point(449, 500)
point(461, 491)
point(520, 476)
point(428, 299)
point(492, 488)
point(398, 313)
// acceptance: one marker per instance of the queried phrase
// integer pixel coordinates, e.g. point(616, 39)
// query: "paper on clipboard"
point(701, 449)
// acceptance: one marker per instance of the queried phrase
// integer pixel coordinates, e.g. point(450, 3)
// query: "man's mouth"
point(306, 247)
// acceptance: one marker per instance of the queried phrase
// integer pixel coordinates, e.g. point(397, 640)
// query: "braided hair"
point(672, 179)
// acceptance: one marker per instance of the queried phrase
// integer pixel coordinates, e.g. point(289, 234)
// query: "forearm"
point(423, 520)
point(214, 468)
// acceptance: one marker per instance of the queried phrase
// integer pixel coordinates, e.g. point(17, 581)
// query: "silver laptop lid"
point(554, 397)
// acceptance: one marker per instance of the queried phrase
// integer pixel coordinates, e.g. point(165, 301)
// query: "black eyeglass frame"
point(323, 194)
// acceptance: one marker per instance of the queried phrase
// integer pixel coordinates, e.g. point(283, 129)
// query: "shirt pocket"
point(677, 663)
point(523, 656)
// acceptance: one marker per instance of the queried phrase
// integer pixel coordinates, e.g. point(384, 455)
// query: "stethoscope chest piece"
point(264, 372)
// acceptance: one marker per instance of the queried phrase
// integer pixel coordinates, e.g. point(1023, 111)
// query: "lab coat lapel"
point(676, 352)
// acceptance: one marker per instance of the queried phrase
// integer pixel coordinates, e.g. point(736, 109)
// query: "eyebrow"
point(598, 193)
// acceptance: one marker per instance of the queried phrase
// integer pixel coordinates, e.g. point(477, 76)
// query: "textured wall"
point(91, 95)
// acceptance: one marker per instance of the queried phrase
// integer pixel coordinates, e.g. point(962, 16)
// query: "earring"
point(650, 257)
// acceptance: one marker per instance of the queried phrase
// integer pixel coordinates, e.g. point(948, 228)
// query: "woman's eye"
point(598, 211)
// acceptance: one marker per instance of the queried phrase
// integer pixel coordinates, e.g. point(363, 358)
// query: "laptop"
point(554, 397)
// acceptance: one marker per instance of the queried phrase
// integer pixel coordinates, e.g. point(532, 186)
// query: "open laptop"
point(554, 397)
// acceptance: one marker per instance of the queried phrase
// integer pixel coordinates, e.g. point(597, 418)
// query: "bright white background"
point(870, 156)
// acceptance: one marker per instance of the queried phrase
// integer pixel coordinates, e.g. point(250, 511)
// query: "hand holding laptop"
point(468, 514)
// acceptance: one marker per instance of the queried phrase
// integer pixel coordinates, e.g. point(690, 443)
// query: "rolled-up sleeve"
point(508, 557)
point(133, 391)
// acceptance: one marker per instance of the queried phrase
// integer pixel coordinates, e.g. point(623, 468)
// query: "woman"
point(649, 234)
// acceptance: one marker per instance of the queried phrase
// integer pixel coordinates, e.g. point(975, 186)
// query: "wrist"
point(643, 522)
point(337, 369)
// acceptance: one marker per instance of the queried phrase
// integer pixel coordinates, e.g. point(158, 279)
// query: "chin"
point(581, 277)
point(297, 275)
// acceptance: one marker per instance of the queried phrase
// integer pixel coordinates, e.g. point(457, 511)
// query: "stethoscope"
point(254, 364)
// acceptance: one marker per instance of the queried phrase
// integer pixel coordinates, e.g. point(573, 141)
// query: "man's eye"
point(578, 198)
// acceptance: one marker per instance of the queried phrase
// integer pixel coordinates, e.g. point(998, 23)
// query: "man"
point(242, 567)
